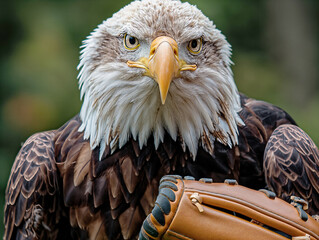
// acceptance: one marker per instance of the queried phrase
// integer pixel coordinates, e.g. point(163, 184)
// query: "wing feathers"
point(291, 164)
point(31, 191)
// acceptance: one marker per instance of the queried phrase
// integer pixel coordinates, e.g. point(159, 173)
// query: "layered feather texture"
point(97, 176)
point(292, 165)
point(77, 196)
point(120, 102)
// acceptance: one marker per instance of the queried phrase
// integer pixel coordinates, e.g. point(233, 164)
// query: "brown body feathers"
point(59, 189)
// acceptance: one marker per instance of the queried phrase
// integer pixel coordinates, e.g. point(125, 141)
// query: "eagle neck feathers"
point(115, 110)
point(120, 102)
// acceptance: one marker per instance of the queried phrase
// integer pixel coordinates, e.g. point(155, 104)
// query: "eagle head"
point(158, 67)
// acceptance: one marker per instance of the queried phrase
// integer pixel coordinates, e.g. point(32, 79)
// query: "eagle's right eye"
point(130, 42)
point(195, 46)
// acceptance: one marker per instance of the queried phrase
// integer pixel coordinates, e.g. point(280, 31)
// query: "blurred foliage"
point(40, 49)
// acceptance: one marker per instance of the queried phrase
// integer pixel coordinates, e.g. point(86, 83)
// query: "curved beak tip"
point(164, 65)
point(163, 97)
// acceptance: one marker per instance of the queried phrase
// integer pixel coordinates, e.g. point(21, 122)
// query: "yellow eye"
point(130, 42)
point(195, 46)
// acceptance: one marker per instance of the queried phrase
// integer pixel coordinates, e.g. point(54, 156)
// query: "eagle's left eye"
point(130, 42)
point(195, 46)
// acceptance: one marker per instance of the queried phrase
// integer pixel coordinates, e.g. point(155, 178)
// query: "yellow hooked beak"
point(163, 64)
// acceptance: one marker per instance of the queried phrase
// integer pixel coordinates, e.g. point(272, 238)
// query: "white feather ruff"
point(119, 102)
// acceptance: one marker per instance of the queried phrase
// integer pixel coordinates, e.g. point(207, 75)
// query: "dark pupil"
point(132, 40)
point(194, 44)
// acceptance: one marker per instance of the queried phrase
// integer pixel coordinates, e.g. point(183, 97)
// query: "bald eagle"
point(158, 98)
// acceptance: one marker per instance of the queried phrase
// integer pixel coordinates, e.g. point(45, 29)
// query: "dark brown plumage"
point(292, 165)
point(158, 98)
point(56, 173)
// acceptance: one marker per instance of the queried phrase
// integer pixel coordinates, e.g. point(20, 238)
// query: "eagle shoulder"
point(292, 165)
point(261, 119)
point(31, 204)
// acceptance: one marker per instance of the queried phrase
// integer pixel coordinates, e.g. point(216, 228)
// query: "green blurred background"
point(275, 51)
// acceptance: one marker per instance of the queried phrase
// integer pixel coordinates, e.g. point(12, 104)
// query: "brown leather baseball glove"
point(202, 210)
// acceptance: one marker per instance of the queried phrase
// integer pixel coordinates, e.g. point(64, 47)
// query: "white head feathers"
point(120, 102)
